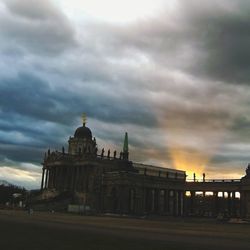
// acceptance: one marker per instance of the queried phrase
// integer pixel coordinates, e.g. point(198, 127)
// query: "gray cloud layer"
point(177, 80)
point(36, 26)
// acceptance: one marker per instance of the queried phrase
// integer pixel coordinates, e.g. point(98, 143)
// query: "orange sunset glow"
point(190, 161)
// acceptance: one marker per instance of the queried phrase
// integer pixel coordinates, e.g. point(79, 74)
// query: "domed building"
point(108, 182)
point(85, 179)
point(82, 141)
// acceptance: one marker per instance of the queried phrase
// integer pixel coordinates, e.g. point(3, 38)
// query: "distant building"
point(108, 182)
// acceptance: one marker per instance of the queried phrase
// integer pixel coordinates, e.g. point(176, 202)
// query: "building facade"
point(108, 182)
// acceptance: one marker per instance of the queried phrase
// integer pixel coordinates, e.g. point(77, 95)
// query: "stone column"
point(223, 202)
point(215, 205)
point(59, 177)
point(166, 201)
point(42, 179)
point(146, 200)
point(170, 202)
point(243, 204)
point(192, 202)
point(63, 177)
point(247, 203)
point(79, 181)
point(185, 203)
point(143, 201)
point(66, 178)
point(180, 203)
point(50, 181)
point(233, 204)
point(56, 178)
point(229, 203)
point(175, 204)
point(46, 178)
point(152, 200)
point(156, 205)
point(81, 178)
point(76, 178)
point(49, 178)
point(72, 178)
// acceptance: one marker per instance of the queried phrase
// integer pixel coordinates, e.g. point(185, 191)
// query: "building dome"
point(83, 132)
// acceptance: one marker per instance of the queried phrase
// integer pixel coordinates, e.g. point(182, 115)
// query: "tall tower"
point(125, 147)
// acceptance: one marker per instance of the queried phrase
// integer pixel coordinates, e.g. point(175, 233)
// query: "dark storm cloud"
point(241, 127)
point(31, 96)
point(13, 153)
point(36, 26)
point(163, 79)
point(208, 40)
point(222, 31)
point(38, 116)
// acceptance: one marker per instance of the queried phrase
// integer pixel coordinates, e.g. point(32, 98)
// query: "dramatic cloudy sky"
point(175, 74)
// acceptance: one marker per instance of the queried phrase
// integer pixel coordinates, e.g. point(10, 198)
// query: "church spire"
point(125, 147)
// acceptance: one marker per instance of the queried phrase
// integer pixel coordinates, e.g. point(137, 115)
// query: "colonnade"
point(227, 203)
point(142, 200)
point(150, 200)
point(65, 178)
point(156, 201)
point(162, 201)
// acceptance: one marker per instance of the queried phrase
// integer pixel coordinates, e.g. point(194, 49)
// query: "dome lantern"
point(83, 132)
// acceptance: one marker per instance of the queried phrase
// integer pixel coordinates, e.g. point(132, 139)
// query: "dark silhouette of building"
point(104, 182)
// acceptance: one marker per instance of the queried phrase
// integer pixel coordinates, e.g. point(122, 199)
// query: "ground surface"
point(18, 230)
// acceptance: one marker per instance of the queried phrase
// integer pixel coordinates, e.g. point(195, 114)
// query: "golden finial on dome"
point(84, 118)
